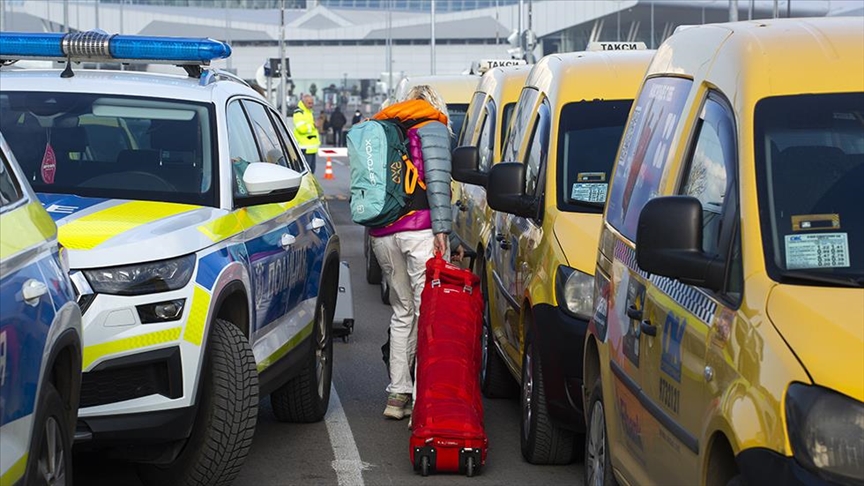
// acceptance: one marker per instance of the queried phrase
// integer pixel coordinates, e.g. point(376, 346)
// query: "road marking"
point(347, 464)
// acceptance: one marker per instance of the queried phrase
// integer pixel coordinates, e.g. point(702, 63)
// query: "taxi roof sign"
point(484, 65)
point(616, 46)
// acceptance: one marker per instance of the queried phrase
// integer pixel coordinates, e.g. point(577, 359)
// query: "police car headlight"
point(575, 292)
point(144, 278)
point(826, 431)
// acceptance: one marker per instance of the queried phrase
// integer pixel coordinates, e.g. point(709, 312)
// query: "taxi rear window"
point(588, 136)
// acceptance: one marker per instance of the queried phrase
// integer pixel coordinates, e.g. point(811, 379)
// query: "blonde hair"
point(428, 93)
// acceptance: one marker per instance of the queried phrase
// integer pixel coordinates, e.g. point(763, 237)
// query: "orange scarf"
point(412, 110)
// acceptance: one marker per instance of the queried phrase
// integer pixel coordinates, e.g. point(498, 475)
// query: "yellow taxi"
point(482, 138)
point(549, 195)
point(727, 342)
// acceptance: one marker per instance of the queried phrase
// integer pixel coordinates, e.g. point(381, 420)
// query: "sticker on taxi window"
point(810, 222)
point(825, 250)
point(590, 187)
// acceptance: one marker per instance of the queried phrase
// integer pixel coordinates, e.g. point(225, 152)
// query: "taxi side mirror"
point(669, 243)
point(269, 183)
point(505, 190)
point(466, 166)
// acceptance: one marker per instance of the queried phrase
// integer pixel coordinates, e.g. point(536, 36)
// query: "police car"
point(40, 339)
point(200, 245)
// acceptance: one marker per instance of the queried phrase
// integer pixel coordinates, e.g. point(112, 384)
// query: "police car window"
point(295, 160)
point(588, 136)
point(268, 141)
point(537, 151)
point(9, 190)
point(242, 149)
point(523, 115)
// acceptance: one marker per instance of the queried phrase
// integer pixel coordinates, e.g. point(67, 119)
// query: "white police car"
point(40, 339)
point(200, 244)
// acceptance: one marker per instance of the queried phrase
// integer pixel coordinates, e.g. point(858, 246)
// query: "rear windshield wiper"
point(798, 276)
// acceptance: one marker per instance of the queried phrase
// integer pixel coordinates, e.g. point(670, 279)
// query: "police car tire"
point(495, 378)
point(608, 475)
point(373, 268)
point(543, 442)
point(50, 407)
point(299, 400)
point(225, 422)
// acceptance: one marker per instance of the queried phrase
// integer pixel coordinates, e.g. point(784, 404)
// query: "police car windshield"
point(112, 146)
point(588, 137)
point(809, 168)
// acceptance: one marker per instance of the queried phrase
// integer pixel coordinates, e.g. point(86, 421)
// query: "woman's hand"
point(458, 254)
point(439, 245)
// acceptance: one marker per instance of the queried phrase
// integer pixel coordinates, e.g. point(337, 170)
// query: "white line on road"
point(347, 464)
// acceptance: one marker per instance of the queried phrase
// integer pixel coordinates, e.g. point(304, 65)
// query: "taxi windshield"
point(104, 146)
point(810, 168)
point(588, 137)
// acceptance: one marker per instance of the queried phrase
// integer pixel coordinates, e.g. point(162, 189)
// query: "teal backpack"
point(385, 182)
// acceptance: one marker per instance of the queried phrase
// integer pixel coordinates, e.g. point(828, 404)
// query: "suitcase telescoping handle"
point(436, 276)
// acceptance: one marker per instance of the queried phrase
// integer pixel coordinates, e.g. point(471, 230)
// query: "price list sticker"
point(826, 250)
point(593, 192)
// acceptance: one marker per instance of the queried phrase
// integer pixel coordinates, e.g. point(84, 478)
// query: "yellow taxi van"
point(727, 341)
point(482, 137)
point(548, 193)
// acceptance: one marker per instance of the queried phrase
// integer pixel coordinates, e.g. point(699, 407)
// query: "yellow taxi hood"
point(824, 327)
point(578, 234)
point(109, 232)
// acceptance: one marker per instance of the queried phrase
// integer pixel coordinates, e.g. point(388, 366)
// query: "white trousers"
point(403, 258)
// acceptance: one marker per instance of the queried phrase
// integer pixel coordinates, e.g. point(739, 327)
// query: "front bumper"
point(764, 466)
point(560, 339)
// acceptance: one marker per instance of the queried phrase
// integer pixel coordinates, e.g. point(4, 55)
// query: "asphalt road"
point(355, 445)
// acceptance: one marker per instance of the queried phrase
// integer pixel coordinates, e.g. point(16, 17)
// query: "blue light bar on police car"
point(97, 45)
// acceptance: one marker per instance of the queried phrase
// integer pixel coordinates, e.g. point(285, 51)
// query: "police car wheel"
point(495, 378)
point(227, 413)
point(373, 268)
point(542, 441)
point(598, 465)
point(305, 398)
point(51, 463)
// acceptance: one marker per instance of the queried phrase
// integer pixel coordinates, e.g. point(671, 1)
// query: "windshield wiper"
point(850, 281)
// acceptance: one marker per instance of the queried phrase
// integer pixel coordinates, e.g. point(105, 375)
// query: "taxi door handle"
point(317, 223)
point(287, 240)
point(499, 237)
point(32, 290)
point(462, 206)
point(648, 328)
point(504, 244)
point(634, 313)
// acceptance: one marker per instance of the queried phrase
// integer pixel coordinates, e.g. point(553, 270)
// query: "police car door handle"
point(287, 240)
point(634, 313)
point(317, 223)
point(32, 290)
point(648, 328)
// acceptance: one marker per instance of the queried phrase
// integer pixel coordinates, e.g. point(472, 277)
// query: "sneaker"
point(409, 406)
point(396, 405)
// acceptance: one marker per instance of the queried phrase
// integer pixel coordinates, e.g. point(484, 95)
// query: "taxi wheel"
point(542, 441)
point(373, 268)
point(495, 378)
point(305, 398)
point(598, 465)
point(227, 413)
point(51, 463)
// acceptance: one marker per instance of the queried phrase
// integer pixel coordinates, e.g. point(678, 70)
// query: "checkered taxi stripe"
point(690, 298)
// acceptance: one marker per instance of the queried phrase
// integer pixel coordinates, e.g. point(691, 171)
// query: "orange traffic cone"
point(328, 169)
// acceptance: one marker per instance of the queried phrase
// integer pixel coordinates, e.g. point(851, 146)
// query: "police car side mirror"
point(269, 183)
point(466, 166)
point(505, 190)
point(669, 243)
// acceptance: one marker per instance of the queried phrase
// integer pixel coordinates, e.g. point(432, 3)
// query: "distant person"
point(358, 117)
point(337, 122)
point(305, 130)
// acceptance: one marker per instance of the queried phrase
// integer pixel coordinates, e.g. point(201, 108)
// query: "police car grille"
point(124, 379)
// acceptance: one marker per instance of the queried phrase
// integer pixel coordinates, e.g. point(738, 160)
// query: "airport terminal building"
point(355, 45)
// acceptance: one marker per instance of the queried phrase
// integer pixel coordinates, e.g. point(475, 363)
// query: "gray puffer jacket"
point(435, 142)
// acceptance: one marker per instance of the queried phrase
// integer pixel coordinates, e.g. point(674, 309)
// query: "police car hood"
point(824, 327)
point(110, 232)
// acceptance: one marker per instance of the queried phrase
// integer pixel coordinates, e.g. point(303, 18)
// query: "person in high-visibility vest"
point(305, 131)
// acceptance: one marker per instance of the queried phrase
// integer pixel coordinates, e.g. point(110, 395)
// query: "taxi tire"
point(608, 475)
point(543, 442)
point(52, 418)
point(226, 418)
point(495, 378)
point(373, 268)
point(304, 399)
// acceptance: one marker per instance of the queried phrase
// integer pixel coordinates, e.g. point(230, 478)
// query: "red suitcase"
point(447, 421)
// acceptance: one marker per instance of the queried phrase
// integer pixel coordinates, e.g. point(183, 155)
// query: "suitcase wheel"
point(469, 467)
point(469, 461)
point(424, 466)
point(424, 459)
